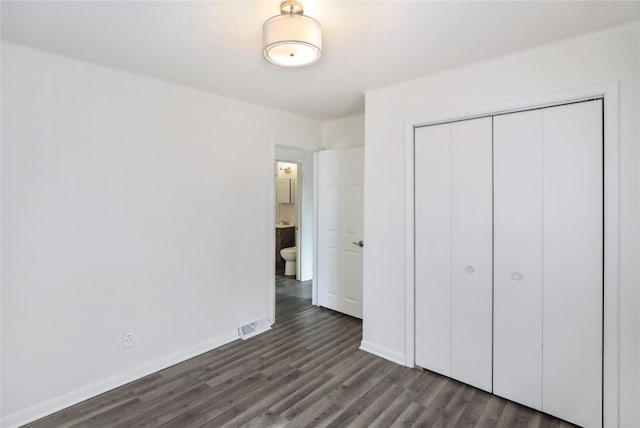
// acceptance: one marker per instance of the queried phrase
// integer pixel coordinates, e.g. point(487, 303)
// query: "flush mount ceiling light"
point(292, 39)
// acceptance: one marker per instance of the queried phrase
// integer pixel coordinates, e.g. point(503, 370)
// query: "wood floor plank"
point(299, 394)
point(451, 413)
point(354, 388)
point(245, 404)
point(491, 412)
point(265, 420)
point(150, 416)
point(508, 415)
point(548, 421)
point(278, 391)
point(198, 412)
point(409, 416)
point(334, 384)
point(80, 412)
point(438, 403)
point(471, 414)
point(307, 370)
point(351, 412)
point(291, 295)
point(433, 388)
point(393, 410)
point(373, 412)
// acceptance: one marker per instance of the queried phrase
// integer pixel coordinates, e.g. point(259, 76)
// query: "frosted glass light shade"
point(292, 40)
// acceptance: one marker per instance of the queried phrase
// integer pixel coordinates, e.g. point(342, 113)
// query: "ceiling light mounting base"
point(291, 7)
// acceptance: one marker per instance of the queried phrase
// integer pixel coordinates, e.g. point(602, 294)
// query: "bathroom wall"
point(288, 212)
point(115, 190)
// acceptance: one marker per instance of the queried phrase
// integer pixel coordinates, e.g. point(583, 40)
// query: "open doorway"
point(287, 219)
point(293, 213)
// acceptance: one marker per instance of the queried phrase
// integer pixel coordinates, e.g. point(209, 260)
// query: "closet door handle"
point(469, 269)
point(516, 276)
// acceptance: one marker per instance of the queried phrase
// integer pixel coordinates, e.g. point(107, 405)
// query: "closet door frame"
point(609, 92)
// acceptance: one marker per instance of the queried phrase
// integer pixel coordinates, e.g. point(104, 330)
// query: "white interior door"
point(453, 223)
point(340, 226)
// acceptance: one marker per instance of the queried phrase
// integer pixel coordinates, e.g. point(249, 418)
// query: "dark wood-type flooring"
point(306, 371)
point(291, 296)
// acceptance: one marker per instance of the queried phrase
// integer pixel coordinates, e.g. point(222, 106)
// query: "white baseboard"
point(48, 407)
point(383, 352)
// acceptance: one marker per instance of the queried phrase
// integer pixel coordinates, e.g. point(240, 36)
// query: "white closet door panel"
point(471, 255)
point(433, 248)
point(573, 266)
point(517, 346)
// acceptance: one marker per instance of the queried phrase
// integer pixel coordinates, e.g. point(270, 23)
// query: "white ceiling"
point(216, 46)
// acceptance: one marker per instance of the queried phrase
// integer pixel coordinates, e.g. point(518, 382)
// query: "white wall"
point(307, 225)
point(115, 196)
point(588, 60)
point(343, 133)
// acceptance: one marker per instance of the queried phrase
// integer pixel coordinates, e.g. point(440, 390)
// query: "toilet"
point(289, 256)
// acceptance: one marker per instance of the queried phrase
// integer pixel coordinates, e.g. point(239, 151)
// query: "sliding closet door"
point(573, 262)
point(453, 250)
point(517, 370)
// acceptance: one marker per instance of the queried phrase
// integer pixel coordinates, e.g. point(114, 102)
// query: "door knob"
point(469, 269)
point(359, 243)
point(517, 276)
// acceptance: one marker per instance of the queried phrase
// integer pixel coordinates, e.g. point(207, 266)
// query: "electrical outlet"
point(127, 339)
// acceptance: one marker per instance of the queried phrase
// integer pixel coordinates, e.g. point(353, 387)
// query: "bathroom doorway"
point(287, 218)
point(293, 230)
